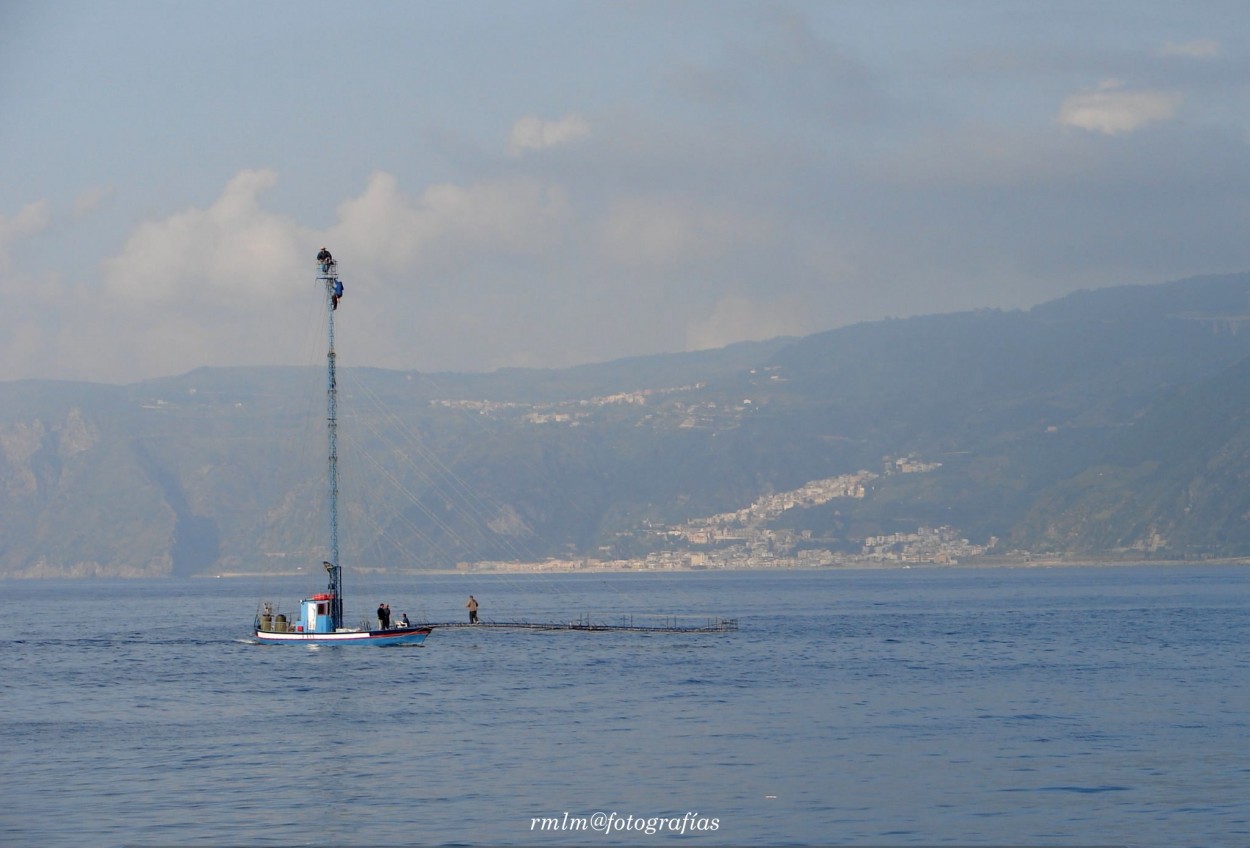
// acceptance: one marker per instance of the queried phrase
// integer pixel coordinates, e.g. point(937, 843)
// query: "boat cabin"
point(315, 617)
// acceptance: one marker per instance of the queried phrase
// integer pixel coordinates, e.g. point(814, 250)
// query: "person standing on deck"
point(471, 606)
point(384, 617)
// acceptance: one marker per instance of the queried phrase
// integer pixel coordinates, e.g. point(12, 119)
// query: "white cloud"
point(91, 199)
point(667, 230)
point(1196, 49)
point(1111, 109)
point(228, 283)
point(34, 218)
point(533, 133)
point(735, 318)
point(205, 286)
point(231, 249)
point(447, 223)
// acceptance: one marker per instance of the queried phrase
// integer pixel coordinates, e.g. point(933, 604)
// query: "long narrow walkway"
point(717, 625)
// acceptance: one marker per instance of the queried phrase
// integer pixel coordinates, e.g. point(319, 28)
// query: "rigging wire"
point(412, 475)
point(295, 528)
point(404, 447)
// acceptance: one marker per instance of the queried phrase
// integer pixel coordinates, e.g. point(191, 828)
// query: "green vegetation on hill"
point(1109, 423)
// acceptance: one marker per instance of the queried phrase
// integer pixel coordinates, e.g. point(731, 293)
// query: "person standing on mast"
point(336, 285)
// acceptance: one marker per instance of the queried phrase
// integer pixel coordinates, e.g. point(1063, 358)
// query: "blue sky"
point(553, 183)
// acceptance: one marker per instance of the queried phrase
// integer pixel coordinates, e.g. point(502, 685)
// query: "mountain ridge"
point(1105, 424)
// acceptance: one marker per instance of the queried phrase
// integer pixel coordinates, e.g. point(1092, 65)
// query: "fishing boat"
point(319, 620)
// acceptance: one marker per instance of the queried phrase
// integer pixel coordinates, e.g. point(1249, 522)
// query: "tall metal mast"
point(328, 275)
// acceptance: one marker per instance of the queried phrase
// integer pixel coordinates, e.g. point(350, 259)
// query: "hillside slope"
point(1106, 423)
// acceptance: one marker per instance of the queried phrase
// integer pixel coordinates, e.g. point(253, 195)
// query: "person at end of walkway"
point(471, 606)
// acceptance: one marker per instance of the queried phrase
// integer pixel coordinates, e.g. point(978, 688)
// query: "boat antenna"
point(329, 276)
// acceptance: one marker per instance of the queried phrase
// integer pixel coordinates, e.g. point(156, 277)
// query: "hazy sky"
point(552, 183)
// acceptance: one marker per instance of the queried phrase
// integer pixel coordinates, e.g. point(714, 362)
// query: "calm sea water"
point(924, 706)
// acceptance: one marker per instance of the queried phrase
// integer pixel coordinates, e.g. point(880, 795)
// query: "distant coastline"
point(865, 565)
point(590, 566)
